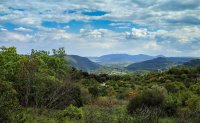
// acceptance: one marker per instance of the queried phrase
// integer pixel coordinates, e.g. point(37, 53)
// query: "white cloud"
point(95, 33)
point(3, 29)
point(7, 36)
point(172, 30)
point(22, 29)
point(137, 33)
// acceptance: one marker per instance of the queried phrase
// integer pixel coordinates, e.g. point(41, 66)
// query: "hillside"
point(120, 59)
point(180, 60)
point(154, 64)
point(192, 63)
point(82, 63)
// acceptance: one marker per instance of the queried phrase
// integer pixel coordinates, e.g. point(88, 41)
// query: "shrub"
point(193, 103)
point(174, 87)
point(195, 88)
point(171, 104)
point(149, 98)
point(105, 102)
point(94, 91)
point(95, 114)
point(73, 112)
point(86, 97)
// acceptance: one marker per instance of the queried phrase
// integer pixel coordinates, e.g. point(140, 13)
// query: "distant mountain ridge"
point(192, 63)
point(121, 58)
point(82, 63)
point(154, 64)
point(129, 62)
point(159, 63)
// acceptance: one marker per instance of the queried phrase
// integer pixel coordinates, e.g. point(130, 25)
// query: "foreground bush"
point(149, 98)
point(95, 114)
point(147, 106)
point(73, 112)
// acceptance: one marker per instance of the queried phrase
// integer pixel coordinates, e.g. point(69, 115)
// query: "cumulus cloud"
point(159, 26)
point(182, 35)
point(22, 29)
point(14, 37)
point(137, 34)
point(97, 33)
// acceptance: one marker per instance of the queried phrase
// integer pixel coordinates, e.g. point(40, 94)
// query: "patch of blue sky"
point(76, 25)
point(107, 25)
point(94, 13)
point(3, 14)
point(16, 9)
point(70, 11)
point(10, 27)
point(53, 24)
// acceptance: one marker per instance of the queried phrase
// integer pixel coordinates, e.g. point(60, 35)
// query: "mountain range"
point(121, 58)
point(159, 63)
point(154, 64)
point(128, 62)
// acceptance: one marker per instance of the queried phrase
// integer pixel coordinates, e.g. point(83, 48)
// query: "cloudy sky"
point(97, 27)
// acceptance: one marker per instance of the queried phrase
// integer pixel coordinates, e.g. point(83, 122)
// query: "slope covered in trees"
point(192, 63)
point(154, 64)
point(82, 63)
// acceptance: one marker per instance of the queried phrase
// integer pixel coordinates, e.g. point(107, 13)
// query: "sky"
point(99, 27)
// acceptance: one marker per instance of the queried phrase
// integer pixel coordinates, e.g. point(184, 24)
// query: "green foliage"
point(94, 91)
point(8, 102)
point(195, 88)
point(172, 103)
point(94, 114)
point(39, 83)
point(73, 112)
point(174, 87)
point(149, 98)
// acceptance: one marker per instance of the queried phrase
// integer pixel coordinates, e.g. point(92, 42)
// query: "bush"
point(185, 115)
point(174, 87)
point(95, 114)
point(149, 98)
point(193, 103)
point(172, 102)
point(148, 105)
point(105, 102)
point(94, 91)
point(73, 112)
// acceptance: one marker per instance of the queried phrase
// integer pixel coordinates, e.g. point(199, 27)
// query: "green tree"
point(8, 102)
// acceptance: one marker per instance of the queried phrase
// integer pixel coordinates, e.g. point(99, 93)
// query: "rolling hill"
point(154, 64)
point(120, 59)
point(192, 63)
point(82, 63)
point(180, 60)
point(160, 63)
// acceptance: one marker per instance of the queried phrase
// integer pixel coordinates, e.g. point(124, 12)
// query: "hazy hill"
point(180, 60)
point(154, 64)
point(192, 63)
point(82, 63)
point(122, 59)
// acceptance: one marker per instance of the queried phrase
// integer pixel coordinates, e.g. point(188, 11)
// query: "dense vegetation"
point(82, 63)
point(41, 88)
